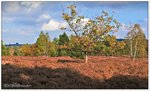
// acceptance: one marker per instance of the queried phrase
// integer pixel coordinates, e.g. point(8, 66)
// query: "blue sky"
point(23, 21)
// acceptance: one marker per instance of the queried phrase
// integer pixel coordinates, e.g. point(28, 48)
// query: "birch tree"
point(137, 41)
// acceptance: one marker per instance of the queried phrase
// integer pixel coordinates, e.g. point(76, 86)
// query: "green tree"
point(52, 49)
point(47, 40)
point(56, 41)
point(63, 45)
point(17, 51)
point(63, 39)
point(5, 50)
point(55, 45)
point(102, 48)
point(44, 46)
point(42, 43)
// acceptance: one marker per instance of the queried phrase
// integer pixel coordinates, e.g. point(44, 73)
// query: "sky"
point(22, 22)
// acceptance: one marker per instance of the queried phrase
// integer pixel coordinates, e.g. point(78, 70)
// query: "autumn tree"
point(88, 33)
point(42, 43)
point(34, 50)
point(137, 41)
point(26, 50)
point(113, 44)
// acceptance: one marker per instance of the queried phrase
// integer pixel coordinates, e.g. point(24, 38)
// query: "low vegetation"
point(50, 72)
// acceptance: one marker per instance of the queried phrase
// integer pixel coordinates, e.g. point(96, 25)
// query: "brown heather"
point(66, 72)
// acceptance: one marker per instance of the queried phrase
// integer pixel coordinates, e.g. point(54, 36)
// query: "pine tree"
point(63, 39)
point(63, 44)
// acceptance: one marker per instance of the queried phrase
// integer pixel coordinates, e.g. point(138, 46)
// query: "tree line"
point(93, 37)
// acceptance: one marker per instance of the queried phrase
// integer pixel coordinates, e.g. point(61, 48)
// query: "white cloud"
point(125, 27)
point(64, 24)
point(43, 17)
point(31, 5)
point(80, 25)
point(24, 5)
point(53, 25)
point(11, 7)
point(84, 21)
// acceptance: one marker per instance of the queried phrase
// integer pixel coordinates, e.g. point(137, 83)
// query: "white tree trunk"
point(86, 58)
point(135, 49)
point(131, 49)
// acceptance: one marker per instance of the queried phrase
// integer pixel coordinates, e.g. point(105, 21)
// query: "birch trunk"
point(131, 49)
point(135, 49)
